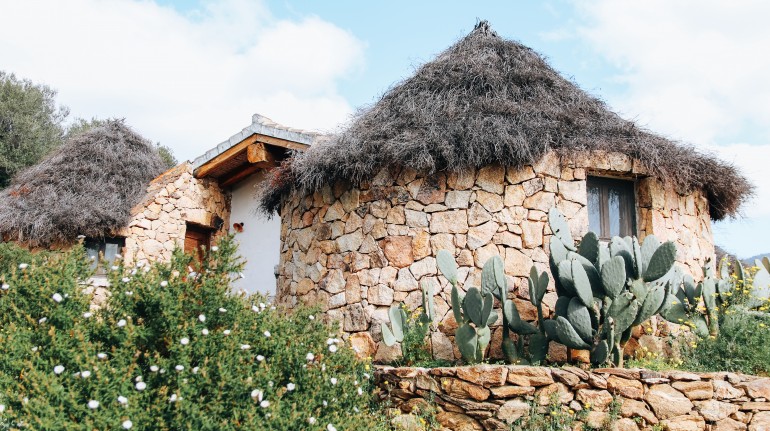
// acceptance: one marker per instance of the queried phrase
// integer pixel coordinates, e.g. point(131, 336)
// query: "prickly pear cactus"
point(604, 290)
point(399, 321)
point(473, 311)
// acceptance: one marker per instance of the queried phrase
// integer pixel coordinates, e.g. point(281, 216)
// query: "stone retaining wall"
point(492, 397)
point(355, 251)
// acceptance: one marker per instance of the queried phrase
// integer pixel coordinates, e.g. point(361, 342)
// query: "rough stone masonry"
point(355, 251)
point(492, 397)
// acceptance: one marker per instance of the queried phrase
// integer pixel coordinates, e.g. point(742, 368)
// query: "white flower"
point(325, 403)
point(5, 286)
point(242, 275)
point(101, 356)
point(290, 387)
point(172, 398)
point(333, 380)
point(85, 374)
point(222, 310)
point(93, 404)
point(57, 297)
point(264, 404)
point(205, 331)
point(311, 317)
point(42, 320)
point(333, 348)
point(311, 420)
point(87, 315)
point(214, 248)
point(270, 383)
point(121, 323)
point(179, 368)
point(226, 332)
point(272, 307)
point(184, 341)
point(127, 424)
point(141, 386)
point(310, 356)
point(195, 370)
point(257, 394)
point(202, 318)
point(255, 309)
point(58, 369)
point(262, 305)
point(163, 283)
point(2, 408)
point(122, 400)
point(366, 376)
point(129, 292)
point(114, 267)
point(267, 334)
point(34, 349)
point(260, 358)
point(330, 427)
point(125, 279)
point(154, 368)
point(23, 266)
point(245, 347)
point(138, 379)
point(360, 391)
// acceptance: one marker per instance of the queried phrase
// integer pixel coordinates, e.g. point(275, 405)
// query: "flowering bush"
point(172, 349)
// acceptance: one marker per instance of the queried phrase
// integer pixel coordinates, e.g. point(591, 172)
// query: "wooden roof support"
point(240, 175)
point(217, 161)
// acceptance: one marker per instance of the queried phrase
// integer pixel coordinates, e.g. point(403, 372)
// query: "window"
point(611, 207)
point(103, 248)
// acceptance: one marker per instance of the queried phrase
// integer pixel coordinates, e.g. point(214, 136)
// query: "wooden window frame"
point(627, 204)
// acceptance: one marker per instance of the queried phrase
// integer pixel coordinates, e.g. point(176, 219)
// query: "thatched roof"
point(490, 100)
point(85, 187)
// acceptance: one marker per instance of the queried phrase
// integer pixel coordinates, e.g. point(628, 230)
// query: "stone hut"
point(85, 188)
point(177, 211)
point(468, 155)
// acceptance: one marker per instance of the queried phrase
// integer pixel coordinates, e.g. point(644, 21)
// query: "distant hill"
point(750, 260)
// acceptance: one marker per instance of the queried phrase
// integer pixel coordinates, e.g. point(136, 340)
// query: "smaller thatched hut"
point(85, 187)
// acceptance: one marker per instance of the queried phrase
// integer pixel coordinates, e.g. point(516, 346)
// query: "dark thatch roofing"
point(490, 100)
point(85, 187)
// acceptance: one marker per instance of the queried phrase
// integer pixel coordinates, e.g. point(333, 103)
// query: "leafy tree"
point(30, 124)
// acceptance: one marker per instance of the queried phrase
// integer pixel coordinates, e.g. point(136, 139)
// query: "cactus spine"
point(604, 291)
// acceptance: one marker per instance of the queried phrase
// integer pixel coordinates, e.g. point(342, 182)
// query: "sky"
point(190, 73)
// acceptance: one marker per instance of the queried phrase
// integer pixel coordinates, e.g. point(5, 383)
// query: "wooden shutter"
point(195, 238)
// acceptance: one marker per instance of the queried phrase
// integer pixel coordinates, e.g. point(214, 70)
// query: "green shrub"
point(743, 345)
point(173, 349)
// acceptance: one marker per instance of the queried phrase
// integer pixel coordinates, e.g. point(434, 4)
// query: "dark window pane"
point(611, 207)
point(613, 198)
point(111, 249)
point(594, 209)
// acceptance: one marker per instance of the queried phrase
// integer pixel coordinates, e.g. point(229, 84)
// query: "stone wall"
point(356, 251)
point(492, 397)
point(159, 222)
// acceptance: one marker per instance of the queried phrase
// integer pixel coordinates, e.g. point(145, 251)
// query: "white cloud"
point(188, 81)
point(694, 70)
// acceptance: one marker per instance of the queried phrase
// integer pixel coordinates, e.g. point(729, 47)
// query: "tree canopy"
point(31, 124)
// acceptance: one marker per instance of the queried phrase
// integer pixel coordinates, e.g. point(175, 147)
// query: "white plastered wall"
point(259, 242)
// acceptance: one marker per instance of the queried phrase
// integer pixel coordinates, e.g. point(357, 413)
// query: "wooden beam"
point(258, 153)
point(240, 175)
point(217, 161)
point(278, 142)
